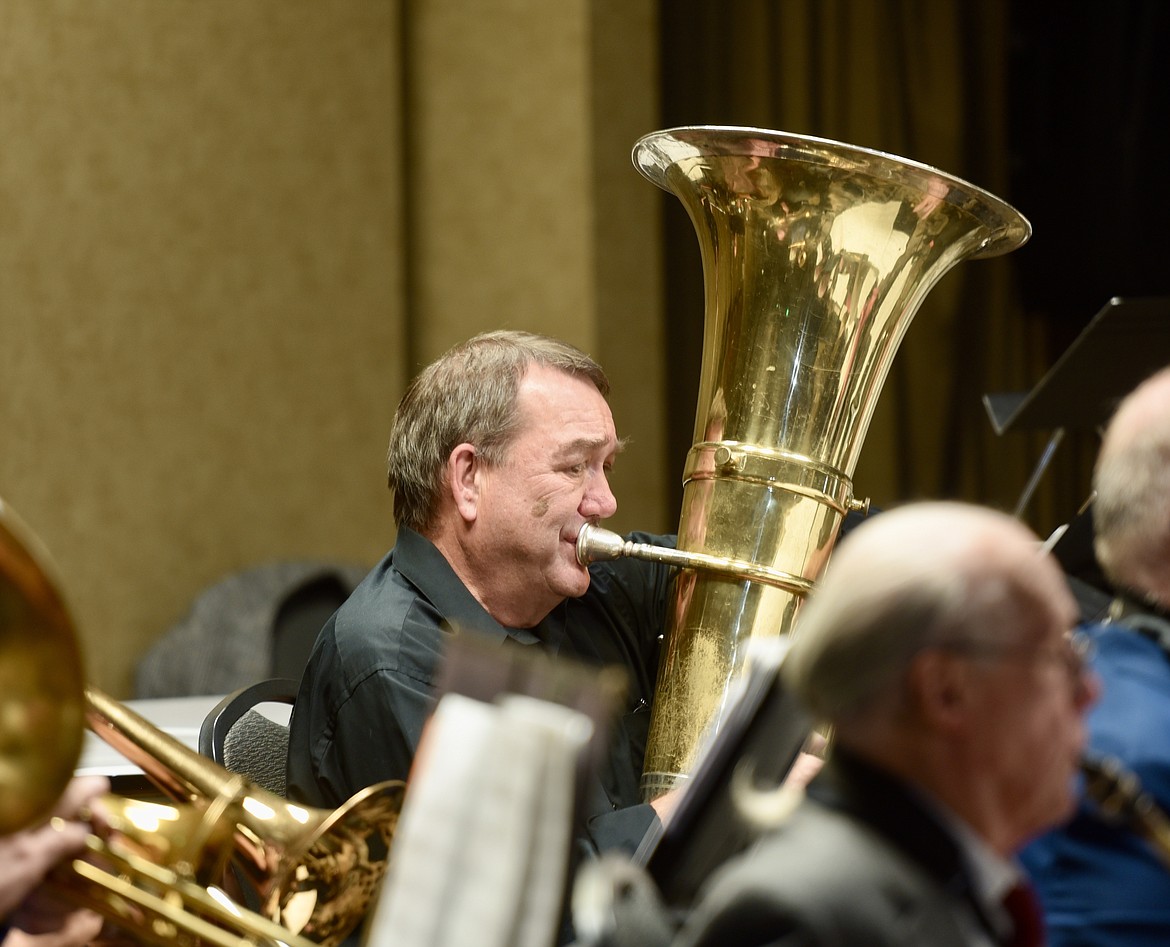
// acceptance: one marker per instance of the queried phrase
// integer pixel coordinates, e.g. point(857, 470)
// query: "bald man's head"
point(911, 578)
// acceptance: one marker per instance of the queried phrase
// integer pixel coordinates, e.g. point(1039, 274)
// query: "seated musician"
point(937, 646)
point(500, 451)
point(1100, 881)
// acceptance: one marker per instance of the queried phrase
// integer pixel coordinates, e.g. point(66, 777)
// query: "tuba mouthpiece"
point(595, 544)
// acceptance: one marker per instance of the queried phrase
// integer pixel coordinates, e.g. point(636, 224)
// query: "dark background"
point(1080, 99)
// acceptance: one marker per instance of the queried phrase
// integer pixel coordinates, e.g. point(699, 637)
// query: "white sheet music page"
point(483, 844)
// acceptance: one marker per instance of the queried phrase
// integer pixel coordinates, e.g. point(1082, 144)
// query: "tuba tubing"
point(595, 544)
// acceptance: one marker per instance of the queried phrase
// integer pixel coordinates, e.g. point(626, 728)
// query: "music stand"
point(765, 726)
point(1072, 547)
point(479, 668)
point(1124, 343)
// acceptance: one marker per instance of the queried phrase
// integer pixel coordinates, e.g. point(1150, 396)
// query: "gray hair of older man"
point(920, 576)
point(468, 394)
point(1131, 511)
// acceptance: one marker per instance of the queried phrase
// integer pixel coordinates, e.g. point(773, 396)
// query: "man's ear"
point(939, 685)
point(463, 469)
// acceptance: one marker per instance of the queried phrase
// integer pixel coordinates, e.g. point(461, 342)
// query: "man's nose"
point(1088, 689)
point(599, 500)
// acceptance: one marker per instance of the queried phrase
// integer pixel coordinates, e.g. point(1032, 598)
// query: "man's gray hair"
point(467, 395)
point(1131, 510)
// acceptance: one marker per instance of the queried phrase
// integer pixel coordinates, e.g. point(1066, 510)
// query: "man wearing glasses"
point(938, 648)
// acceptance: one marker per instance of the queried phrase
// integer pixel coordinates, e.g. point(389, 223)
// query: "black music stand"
point(1123, 344)
point(766, 726)
point(477, 667)
point(1072, 545)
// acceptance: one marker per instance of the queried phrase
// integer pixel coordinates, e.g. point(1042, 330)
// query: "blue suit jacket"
point(1100, 883)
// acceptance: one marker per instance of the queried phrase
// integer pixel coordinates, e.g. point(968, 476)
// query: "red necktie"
point(1023, 906)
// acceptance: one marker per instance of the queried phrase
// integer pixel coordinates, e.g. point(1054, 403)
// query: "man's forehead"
point(566, 412)
point(1038, 581)
point(541, 387)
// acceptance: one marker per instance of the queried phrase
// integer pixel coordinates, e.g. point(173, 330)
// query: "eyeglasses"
point(1075, 651)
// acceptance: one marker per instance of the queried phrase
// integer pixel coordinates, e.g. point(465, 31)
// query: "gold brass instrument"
point(816, 256)
point(42, 716)
point(314, 871)
point(41, 727)
point(143, 879)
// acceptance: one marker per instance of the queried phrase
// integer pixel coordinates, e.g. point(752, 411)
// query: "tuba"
point(816, 255)
point(313, 872)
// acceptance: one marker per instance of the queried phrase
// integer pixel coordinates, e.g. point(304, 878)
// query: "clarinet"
point(1119, 797)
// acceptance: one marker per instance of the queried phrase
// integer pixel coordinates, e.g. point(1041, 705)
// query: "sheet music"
point(482, 848)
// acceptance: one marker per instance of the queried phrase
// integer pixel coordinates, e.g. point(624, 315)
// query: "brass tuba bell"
point(816, 255)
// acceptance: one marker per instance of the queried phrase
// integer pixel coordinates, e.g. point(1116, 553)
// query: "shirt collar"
point(427, 569)
point(991, 875)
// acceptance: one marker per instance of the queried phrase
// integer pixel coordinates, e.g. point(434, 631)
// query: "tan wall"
point(630, 324)
point(526, 211)
point(225, 241)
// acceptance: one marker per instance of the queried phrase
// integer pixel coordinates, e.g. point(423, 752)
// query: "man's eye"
point(577, 469)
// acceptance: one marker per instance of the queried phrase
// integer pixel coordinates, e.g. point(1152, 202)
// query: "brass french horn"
point(314, 872)
point(816, 256)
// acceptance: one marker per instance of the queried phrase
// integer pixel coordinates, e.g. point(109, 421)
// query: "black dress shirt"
point(370, 683)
